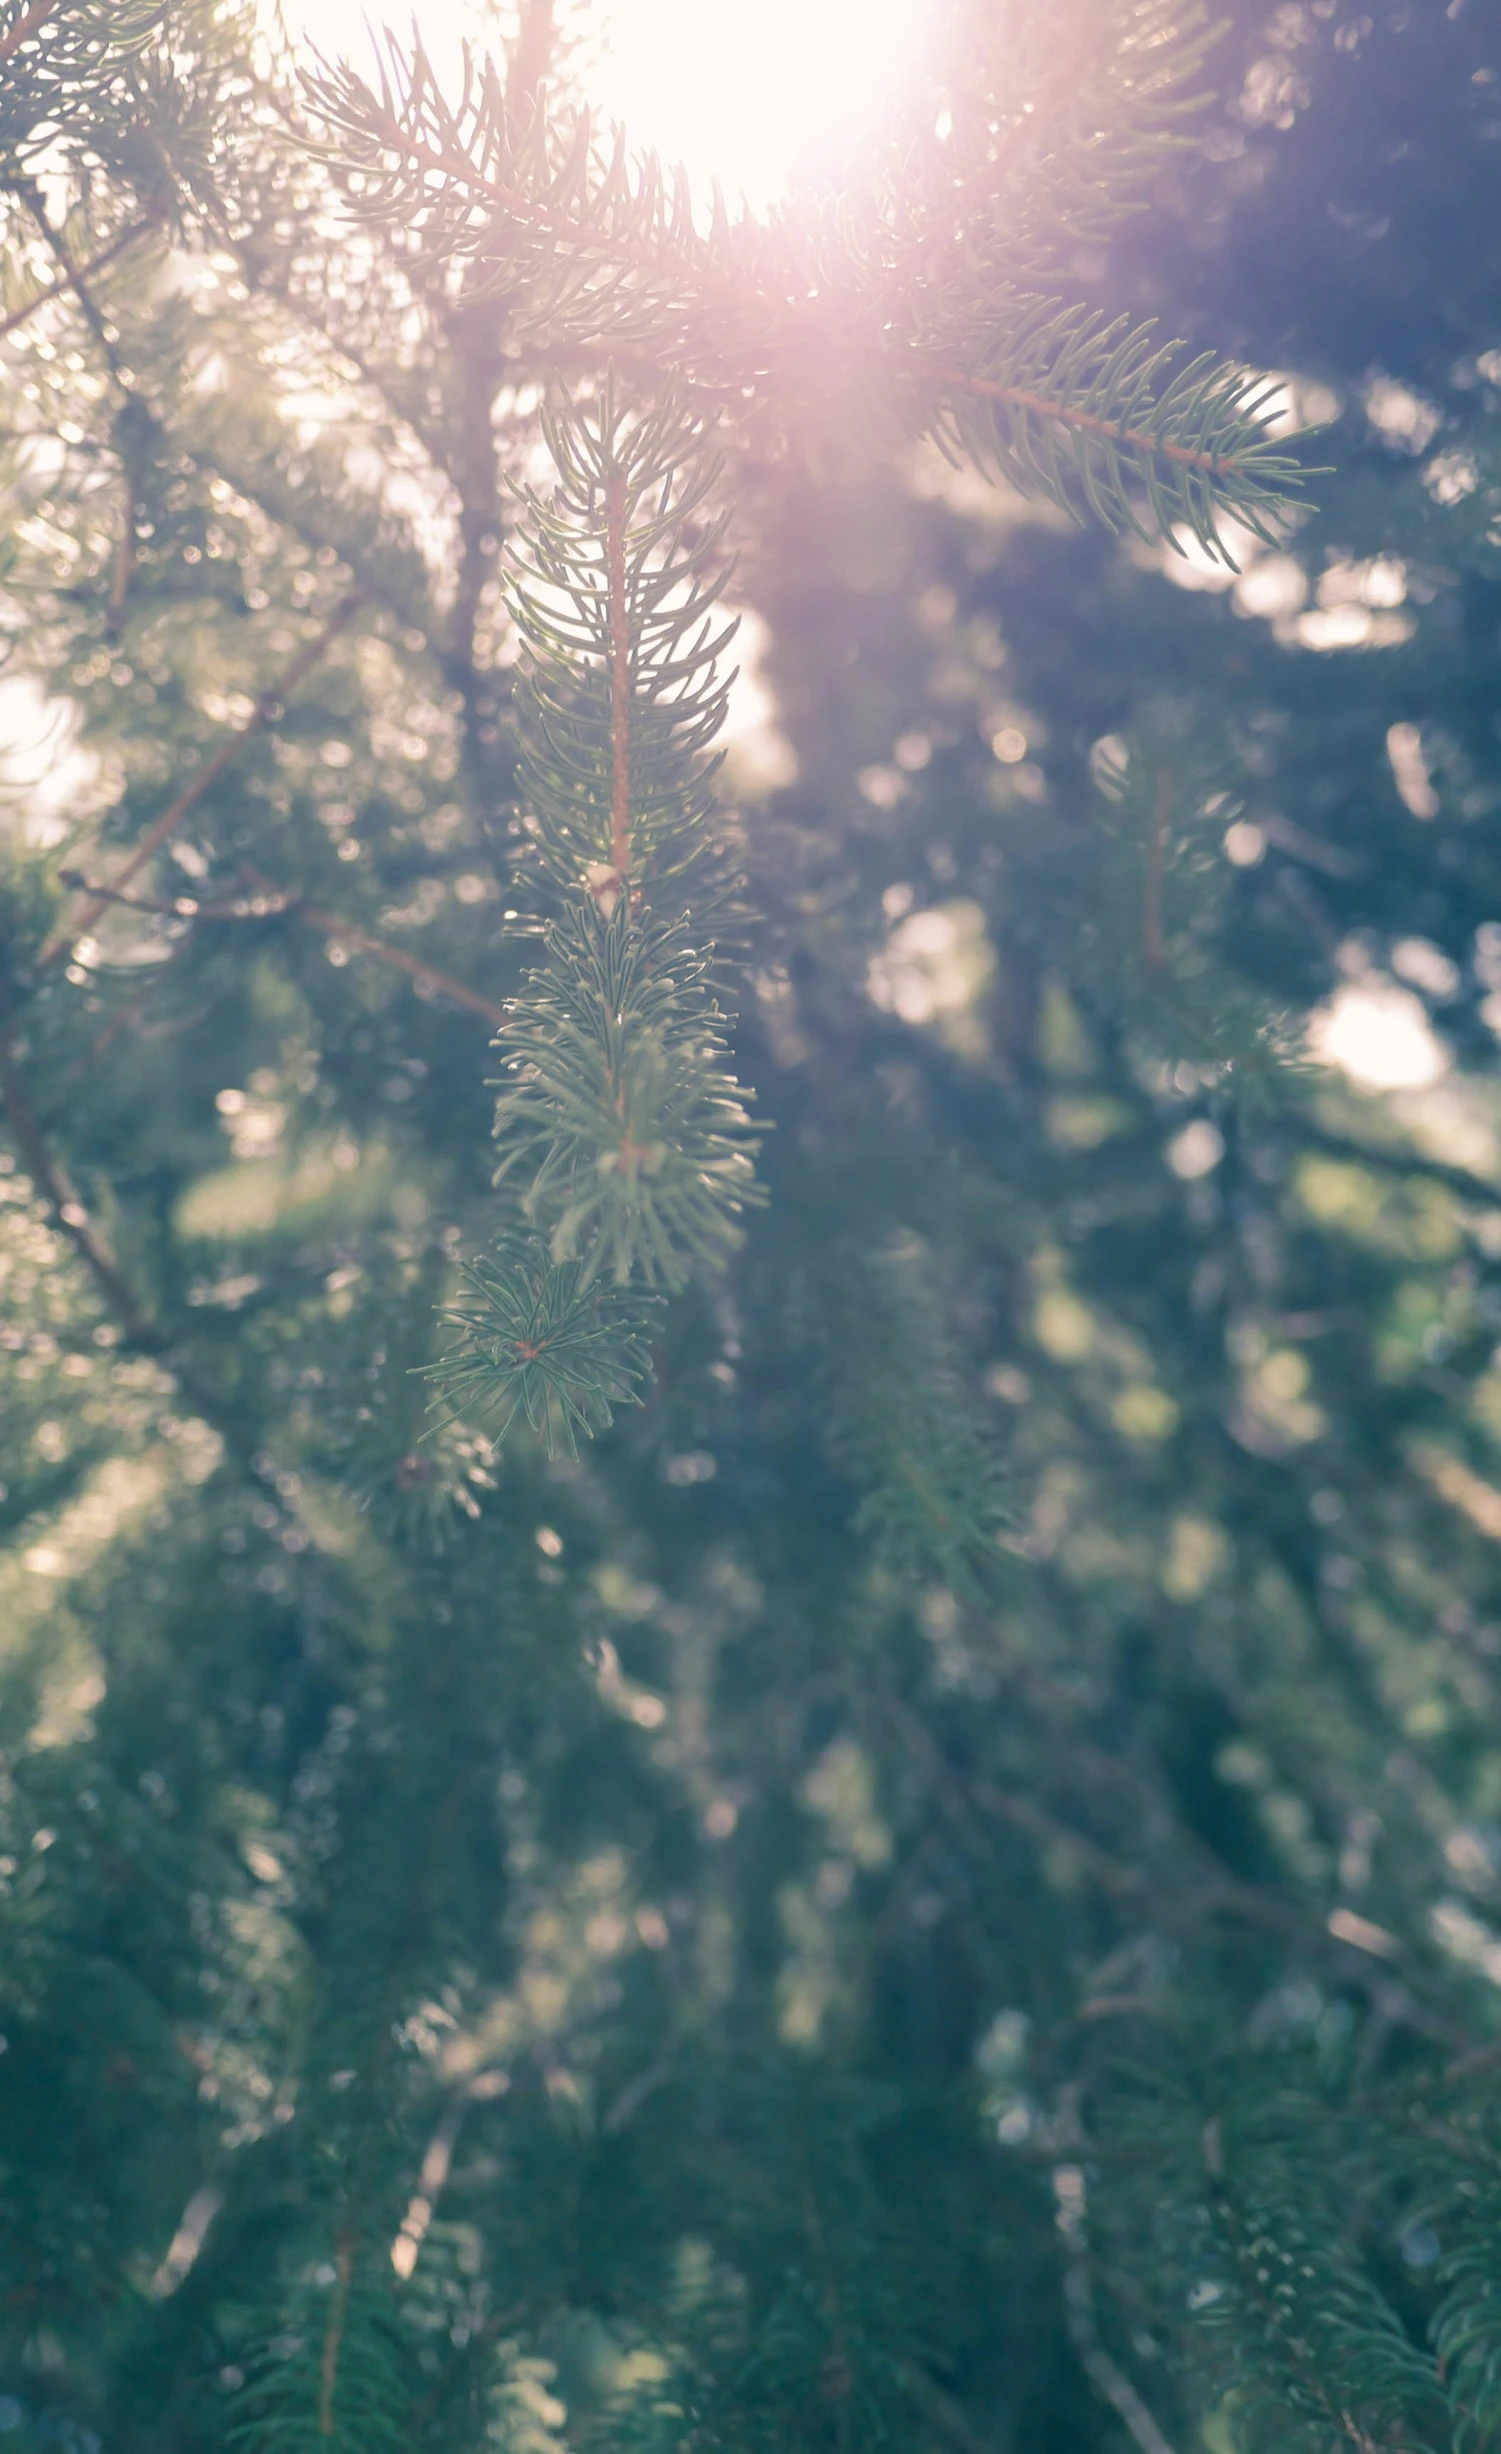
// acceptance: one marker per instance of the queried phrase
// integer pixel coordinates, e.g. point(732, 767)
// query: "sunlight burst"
point(753, 92)
point(746, 92)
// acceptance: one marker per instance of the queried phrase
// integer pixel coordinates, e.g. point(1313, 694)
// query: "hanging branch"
point(620, 682)
point(625, 1148)
point(627, 1145)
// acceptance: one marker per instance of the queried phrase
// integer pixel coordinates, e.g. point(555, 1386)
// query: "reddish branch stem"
point(620, 678)
point(1109, 430)
point(333, 2340)
point(125, 557)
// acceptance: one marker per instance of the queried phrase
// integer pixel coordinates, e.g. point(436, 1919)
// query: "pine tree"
point(795, 1753)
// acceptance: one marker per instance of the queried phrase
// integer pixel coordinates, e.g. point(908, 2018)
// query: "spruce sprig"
point(629, 1143)
point(614, 580)
point(1090, 411)
point(626, 1151)
point(331, 2374)
point(531, 1339)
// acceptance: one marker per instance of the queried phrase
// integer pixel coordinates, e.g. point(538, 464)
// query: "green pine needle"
point(534, 1339)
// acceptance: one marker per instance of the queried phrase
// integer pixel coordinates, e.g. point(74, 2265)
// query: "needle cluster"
point(626, 1150)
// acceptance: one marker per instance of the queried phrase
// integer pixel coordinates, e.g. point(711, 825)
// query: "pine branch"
point(1324, 2362)
point(1108, 430)
point(331, 2379)
point(626, 1150)
point(920, 1443)
point(613, 584)
point(61, 55)
point(627, 1144)
point(1089, 412)
point(141, 1331)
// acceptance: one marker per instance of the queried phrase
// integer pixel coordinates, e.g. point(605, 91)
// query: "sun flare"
point(752, 92)
point(746, 92)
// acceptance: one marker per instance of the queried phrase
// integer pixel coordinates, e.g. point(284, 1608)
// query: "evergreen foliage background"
point(939, 1882)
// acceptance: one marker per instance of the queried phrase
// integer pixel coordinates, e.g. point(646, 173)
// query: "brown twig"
point(269, 902)
point(105, 1038)
point(425, 975)
point(267, 709)
point(634, 2095)
point(133, 423)
point(52, 1181)
point(73, 276)
point(1480, 2058)
point(32, 23)
point(437, 2163)
point(1007, 1807)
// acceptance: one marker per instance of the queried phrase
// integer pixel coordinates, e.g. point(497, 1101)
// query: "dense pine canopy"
point(750, 1464)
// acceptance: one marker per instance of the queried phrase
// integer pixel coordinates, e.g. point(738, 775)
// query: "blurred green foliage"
point(940, 1882)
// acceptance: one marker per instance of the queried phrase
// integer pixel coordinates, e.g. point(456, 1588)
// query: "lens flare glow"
point(1380, 1036)
point(750, 93)
point(754, 92)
